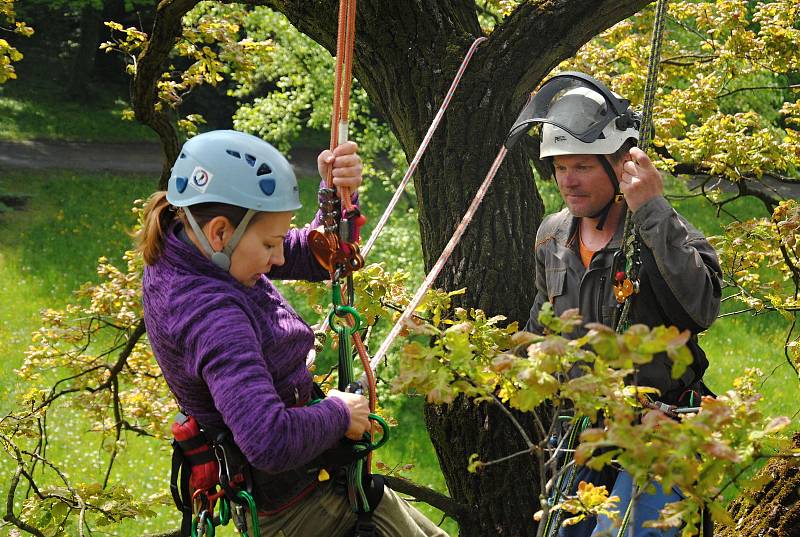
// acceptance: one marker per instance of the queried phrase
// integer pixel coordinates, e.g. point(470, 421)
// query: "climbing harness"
point(209, 472)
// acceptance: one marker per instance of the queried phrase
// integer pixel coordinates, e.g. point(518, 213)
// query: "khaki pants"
point(326, 513)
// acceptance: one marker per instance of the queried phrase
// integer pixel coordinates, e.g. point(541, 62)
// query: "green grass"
point(33, 108)
point(48, 249)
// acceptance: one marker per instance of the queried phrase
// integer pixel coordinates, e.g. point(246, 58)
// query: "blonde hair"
point(158, 215)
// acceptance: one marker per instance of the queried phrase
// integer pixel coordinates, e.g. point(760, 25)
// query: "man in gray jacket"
point(588, 136)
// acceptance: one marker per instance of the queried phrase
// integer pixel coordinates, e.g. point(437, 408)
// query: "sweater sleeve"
point(300, 263)
point(222, 347)
point(686, 262)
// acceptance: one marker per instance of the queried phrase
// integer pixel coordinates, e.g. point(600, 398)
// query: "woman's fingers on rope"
point(344, 163)
point(358, 406)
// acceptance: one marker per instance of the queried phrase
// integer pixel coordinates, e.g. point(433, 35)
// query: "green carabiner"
point(251, 506)
point(384, 436)
point(341, 311)
point(224, 511)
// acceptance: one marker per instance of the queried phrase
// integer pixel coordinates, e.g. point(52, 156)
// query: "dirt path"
point(145, 158)
point(136, 157)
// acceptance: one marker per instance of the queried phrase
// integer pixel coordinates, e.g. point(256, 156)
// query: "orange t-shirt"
point(586, 254)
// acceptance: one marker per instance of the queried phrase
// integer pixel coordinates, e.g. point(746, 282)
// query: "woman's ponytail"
point(158, 214)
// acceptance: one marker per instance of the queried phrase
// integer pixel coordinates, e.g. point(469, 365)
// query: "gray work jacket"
point(680, 284)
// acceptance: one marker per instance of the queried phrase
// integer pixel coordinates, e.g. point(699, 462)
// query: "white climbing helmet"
point(587, 105)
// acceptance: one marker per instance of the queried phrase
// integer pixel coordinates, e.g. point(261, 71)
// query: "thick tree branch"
point(753, 88)
point(9, 515)
point(445, 504)
point(565, 24)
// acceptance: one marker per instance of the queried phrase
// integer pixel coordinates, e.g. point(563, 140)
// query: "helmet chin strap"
point(222, 259)
point(616, 198)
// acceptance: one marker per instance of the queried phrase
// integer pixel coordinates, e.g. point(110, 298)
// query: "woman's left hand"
point(346, 165)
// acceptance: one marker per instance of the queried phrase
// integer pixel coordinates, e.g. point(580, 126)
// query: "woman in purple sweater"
point(231, 348)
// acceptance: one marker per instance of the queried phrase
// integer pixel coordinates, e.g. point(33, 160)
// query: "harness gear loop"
point(246, 501)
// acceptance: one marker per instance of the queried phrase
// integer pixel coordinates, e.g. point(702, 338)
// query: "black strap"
point(365, 527)
point(612, 176)
point(192, 443)
point(179, 488)
point(342, 454)
point(374, 487)
point(200, 458)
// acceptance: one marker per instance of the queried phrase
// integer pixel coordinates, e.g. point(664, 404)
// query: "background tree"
point(73, 29)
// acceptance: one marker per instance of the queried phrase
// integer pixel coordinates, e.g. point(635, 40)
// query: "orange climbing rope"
point(345, 44)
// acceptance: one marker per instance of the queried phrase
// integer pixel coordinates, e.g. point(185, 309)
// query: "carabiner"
point(203, 526)
point(342, 311)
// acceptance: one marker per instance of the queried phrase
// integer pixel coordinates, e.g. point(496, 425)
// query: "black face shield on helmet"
point(556, 103)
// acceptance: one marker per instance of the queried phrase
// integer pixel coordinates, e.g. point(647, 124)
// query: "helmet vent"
point(181, 183)
point(251, 160)
point(183, 155)
point(233, 153)
point(263, 169)
point(267, 186)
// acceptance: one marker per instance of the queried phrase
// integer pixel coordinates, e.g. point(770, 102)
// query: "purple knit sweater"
point(235, 356)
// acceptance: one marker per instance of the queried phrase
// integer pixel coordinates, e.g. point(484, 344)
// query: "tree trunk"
point(151, 64)
point(774, 509)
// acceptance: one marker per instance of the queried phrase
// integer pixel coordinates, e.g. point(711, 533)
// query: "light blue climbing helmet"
point(237, 169)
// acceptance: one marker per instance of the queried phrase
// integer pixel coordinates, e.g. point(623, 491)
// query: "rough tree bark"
point(774, 509)
point(406, 54)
